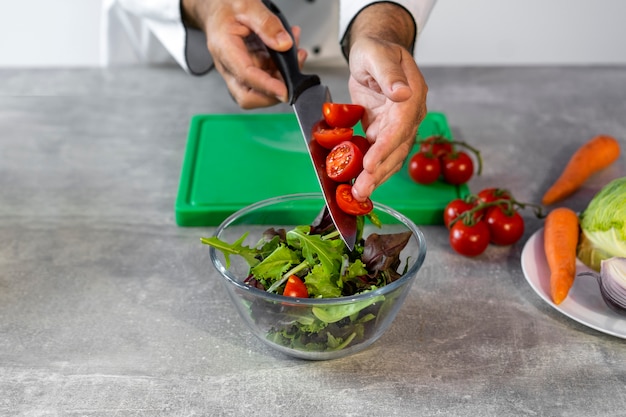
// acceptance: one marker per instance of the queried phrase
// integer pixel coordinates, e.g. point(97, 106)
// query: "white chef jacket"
point(151, 31)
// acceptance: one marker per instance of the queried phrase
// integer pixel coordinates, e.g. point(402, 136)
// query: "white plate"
point(583, 303)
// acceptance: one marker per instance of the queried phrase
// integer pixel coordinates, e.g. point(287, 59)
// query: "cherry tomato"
point(363, 144)
point(349, 204)
point(454, 209)
point(330, 137)
point(457, 168)
point(437, 146)
point(424, 169)
point(344, 162)
point(295, 288)
point(505, 228)
point(489, 195)
point(469, 239)
point(342, 115)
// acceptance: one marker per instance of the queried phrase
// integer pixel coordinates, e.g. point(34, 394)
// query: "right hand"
point(237, 32)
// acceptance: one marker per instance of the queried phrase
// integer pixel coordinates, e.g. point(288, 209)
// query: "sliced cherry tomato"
point(424, 169)
point(349, 204)
point(328, 136)
point(505, 227)
point(437, 146)
point(469, 239)
point(457, 168)
point(342, 115)
point(363, 144)
point(454, 209)
point(295, 288)
point(344, 162)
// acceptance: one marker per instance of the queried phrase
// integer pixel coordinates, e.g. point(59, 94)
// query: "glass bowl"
point(274, 318)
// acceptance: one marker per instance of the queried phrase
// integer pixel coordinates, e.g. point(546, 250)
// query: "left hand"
point(385, 79)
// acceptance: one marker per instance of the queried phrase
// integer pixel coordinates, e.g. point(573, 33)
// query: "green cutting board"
point(233, 160)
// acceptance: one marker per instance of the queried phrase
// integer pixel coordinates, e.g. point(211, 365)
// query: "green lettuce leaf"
point(322, 284)
point(276, 264)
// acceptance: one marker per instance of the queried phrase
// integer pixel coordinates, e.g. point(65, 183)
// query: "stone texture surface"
point(107, 308)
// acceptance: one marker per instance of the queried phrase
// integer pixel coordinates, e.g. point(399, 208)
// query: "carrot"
point(560, 238)
point(593, 156)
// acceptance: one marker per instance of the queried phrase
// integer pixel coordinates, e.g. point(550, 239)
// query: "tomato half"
point(454, 209)
point(342, 115)
point(349, 204)
point(469, 239)
point(328, 136)
point(423, 168)
point(457, 168)
point(344, 162)
point(295, 288)
point(505, 228)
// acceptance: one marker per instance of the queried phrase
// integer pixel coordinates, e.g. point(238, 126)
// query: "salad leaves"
point(318, 256)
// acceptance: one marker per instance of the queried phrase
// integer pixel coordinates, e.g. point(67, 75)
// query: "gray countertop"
point(107, 308)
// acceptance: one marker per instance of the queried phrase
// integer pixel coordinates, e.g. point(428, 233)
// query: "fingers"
point(384, 158)
point(241, 31)
point(257, 84)
point(266, 25)
point(246, 71)
point(252, 80)
point(385, 74)
point(394, 112)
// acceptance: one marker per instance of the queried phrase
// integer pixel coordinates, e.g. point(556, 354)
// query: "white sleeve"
point(348, 9)
point(151, 31)
point(139, 30)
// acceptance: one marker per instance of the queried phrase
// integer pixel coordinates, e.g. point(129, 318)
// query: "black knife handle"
point(287, 62)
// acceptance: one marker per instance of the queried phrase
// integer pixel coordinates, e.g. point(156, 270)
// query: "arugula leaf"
point(268, 244)
point(236, 248)
point(315, 249)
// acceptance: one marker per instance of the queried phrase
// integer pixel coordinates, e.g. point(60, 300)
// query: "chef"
point(377, 39)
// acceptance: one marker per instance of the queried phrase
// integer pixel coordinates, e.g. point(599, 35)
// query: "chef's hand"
point(385, 79)
point(237, 32)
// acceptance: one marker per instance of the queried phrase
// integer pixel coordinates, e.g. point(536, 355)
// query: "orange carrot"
point(560, 238)
point(593, 156)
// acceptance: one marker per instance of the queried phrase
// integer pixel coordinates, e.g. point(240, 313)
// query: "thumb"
point(267, 26)
point(393, 83)
point(388, 66)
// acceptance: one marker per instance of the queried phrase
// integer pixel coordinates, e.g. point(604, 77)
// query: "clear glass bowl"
point(269, 316)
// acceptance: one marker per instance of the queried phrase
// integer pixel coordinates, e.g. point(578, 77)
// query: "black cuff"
point(197, 56)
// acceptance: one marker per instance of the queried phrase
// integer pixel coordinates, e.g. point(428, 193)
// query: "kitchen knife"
point(306, 96)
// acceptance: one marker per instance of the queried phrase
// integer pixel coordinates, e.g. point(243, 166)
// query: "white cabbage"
point(603, 225)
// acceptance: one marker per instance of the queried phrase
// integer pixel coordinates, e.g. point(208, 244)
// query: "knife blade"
point(307, 95)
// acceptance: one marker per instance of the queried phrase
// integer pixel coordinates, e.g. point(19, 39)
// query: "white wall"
point(525, 32)
point(37, 33)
